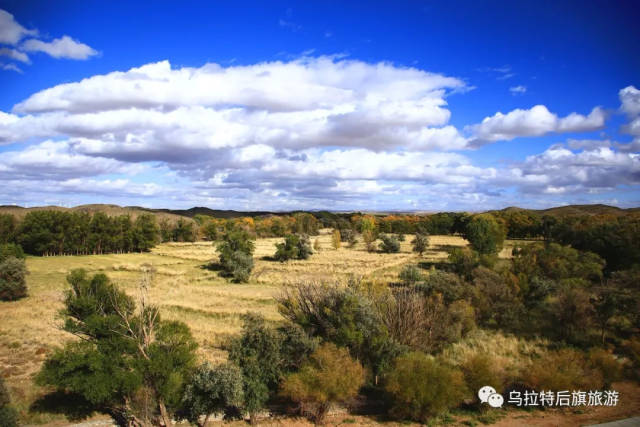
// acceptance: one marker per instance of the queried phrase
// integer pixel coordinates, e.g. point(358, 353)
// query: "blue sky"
point(314, 105)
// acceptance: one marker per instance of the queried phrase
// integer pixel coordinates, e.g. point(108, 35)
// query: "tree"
point(390, 244)
point(130, 363)
point(145, 232)
point(329, 376)
point(485, 234)
point(8, 225)
point(336, 239)
point(464, 261)
point(420, 243)
point(210, 229)
point(212, 390)
point(294, 247)
point(265, 355)
point(8, 415)
point(236, 255)
point(342, 315)
point(422, 387)
point(13, 284)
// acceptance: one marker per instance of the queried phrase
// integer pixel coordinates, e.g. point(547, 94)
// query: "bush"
point(8, 415)
point(607, 364)
point(348, 235)
point(410, 275)
point(329, 376)
point(564, 369)
point(13, 285)
point(390, 244)
point(447, 284)
point(336, 239)
point(422, 387)
point(236, 255)
point(212, 390)
point(480, 370)
point(401, 237)
point(316, 245)
point(11, 250)
point(294, 247)
point(464, 261)
point(420, 243)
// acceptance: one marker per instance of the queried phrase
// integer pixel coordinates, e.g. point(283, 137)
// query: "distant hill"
point(110, 210)
point(175, 214)
point(216, 213)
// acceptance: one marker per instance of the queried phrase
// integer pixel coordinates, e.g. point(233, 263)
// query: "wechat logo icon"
point(488, 394)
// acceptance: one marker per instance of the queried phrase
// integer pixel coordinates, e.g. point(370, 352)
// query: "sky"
point(286, 105)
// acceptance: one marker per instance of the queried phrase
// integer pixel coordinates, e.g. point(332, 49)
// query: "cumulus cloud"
point(63, 47)
point(630, 99)
point(309, 132)
point(11, 32)
point(536, 121)
point(303, 103)
point(559, 170)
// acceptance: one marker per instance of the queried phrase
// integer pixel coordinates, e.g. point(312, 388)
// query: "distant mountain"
point(216, 213)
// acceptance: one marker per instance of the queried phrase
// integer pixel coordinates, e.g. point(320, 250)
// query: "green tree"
point(130, 363)
point(420, 243)
point(236, 255)
point(485, 234)
point(390, 244)
point(212, 390)
point(8, 225)
point(294, 247)
point(410, 275)
point(330, 376)
point(10, 250)
point(145, 232)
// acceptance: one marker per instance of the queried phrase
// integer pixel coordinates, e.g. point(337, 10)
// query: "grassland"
point(185, 289)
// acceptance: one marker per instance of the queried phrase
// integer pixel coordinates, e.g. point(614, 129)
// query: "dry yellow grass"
point(184, 289)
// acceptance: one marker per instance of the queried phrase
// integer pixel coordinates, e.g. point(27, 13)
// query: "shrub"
point(11, 250)
point(369, 238)
point(390, 244)
point(212, 390)
point(464, 261)
point(236, 255)
point(294, 247)
point(480, 370)
point(348, 235)
point(420, 243)
point(13, 285)
point(316, 245)
point(8, 415)
point(401, 237)
point(564, 369)
point(607, 364)
point(342, 315)
point(410, 275)
point(447, 284)
point(329, 376)
point(336, 239)
point(422, 387)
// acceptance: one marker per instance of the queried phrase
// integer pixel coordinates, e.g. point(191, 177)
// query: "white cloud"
point(630, 98)
point(536, 121)
point(64, 47)
point(11, 32)
point(14, 54)
point(11, 67)
point(517, 90)
point(158, 110)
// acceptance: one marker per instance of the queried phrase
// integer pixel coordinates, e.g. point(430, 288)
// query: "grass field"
point(184, 289)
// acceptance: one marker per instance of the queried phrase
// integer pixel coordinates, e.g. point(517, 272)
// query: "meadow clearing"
point(184, 289)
